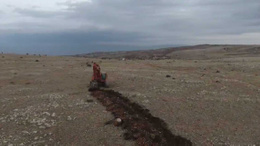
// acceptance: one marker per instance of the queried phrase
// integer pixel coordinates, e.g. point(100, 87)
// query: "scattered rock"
point(88, 64)
point(217, 71)
point(48, 125)
point(69, 118)
point(25, 132)
point(118, 122)
point(28, 83)
point(168, 76)
point(53, 115)
point(46, 113)
point(36, 60)
point(217, 81)
point(42, 127)
point(90, 100)
point(146, 101)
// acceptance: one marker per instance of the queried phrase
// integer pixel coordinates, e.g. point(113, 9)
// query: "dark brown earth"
point(139, 124)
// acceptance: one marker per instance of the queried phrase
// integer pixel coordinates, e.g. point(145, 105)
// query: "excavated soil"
point(138, 123)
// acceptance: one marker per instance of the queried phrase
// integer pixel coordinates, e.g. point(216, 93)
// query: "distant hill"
point(185, 52)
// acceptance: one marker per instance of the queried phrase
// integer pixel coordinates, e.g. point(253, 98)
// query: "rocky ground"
point(45, 100)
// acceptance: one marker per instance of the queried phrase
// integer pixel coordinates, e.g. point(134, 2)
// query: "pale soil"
point(47, 102)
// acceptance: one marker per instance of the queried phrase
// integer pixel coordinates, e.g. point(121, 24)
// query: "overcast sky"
point(81, 26)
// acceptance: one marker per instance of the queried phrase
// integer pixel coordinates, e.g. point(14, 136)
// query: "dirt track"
point(141, 126)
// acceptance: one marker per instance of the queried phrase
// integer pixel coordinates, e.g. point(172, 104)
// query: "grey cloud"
point(38, 13)
point(162, 16)
point(145, 22)
point(203, 17)
point(1, 13)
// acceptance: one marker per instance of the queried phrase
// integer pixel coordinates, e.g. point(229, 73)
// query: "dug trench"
point(137, 122)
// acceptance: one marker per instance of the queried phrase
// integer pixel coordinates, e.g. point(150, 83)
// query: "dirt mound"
point(139, 124)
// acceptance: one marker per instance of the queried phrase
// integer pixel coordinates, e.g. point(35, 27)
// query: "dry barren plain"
point(45, 100)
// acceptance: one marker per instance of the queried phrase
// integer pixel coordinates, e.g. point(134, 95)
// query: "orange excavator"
point(98, 79)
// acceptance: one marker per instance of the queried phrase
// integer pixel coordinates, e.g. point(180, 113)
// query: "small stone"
point(117, 122)
point(46, 113)
point(25, 132)
point(42, 127)
point(168, 76)
point(47, 125)
point(53, 115)
point(69, 118)
point(90, 100)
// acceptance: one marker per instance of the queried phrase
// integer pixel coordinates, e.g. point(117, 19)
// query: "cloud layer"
point(84, 25)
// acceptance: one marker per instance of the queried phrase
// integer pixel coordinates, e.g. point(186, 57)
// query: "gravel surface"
point(210, 102)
